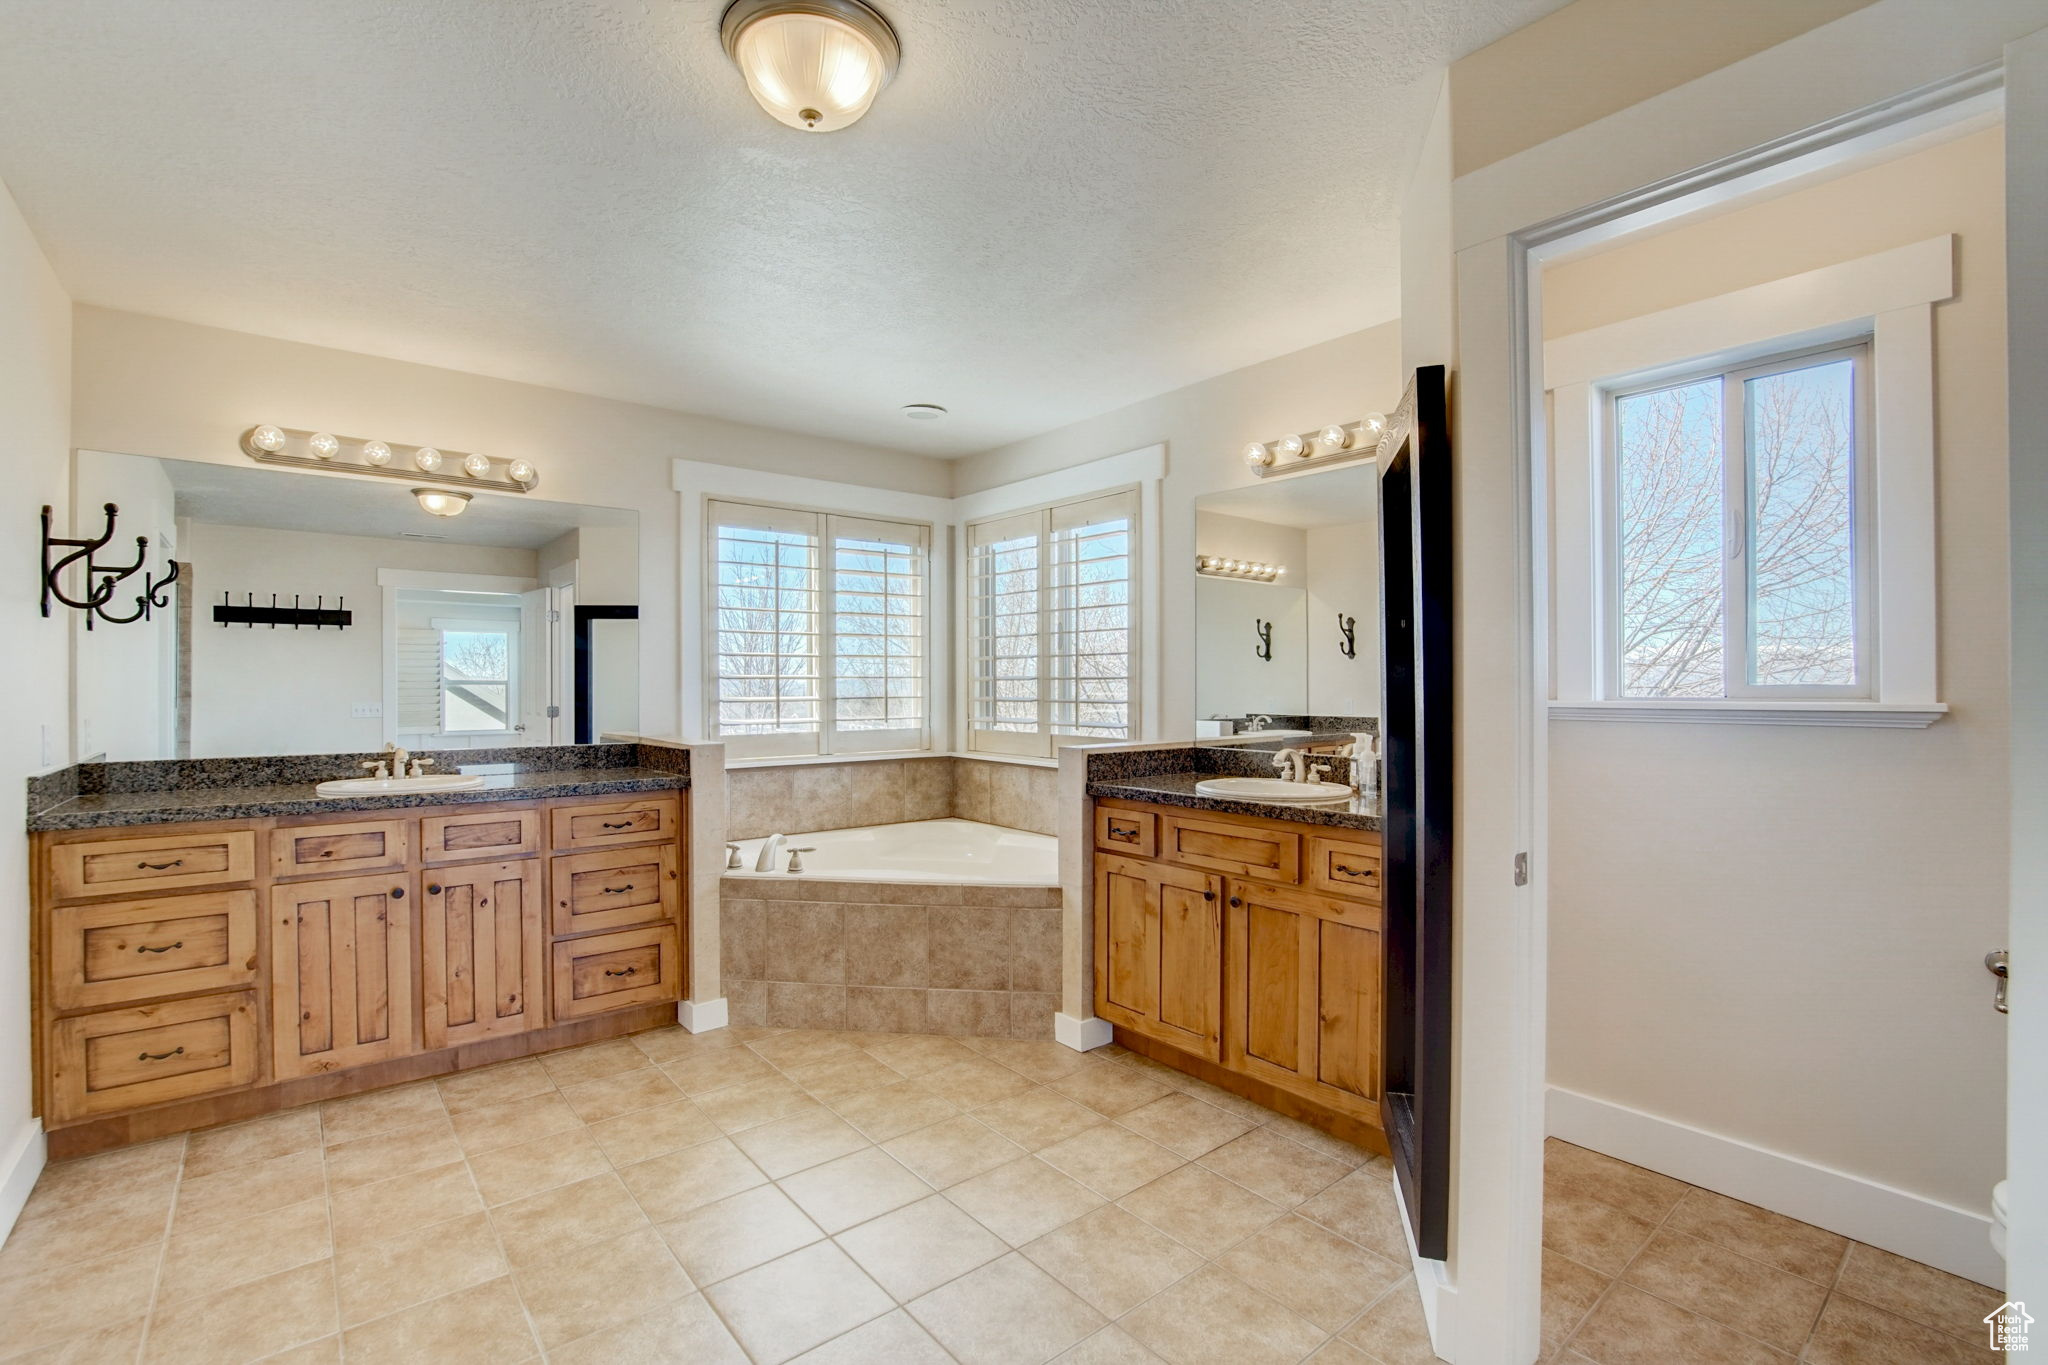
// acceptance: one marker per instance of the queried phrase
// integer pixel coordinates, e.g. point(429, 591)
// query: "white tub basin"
point(1270, 789)
point(399, 786)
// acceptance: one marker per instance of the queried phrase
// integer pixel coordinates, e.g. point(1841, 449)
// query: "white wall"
point(258, 690)
point(1205, 427)
point(125, 704)
point(1342, 570)
point(35, 406)
point(148, 386)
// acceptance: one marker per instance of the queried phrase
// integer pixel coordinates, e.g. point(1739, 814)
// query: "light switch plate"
point(366, 710)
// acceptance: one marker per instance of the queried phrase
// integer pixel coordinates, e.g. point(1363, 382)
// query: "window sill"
point(887, 756)
point(1868, 714)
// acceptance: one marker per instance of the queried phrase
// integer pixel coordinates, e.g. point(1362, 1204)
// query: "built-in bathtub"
point(937, 926)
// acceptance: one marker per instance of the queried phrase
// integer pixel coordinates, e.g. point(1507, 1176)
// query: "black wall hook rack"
point(100, 578)
point(1347, 627)
point(1265, 645)
point(318, 616)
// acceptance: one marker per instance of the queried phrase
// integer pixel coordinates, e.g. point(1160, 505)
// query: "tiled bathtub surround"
point(975, 961)
point(800, 798)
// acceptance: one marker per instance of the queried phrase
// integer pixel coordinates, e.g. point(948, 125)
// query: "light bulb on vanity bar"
point(376, 453)
point(267, 438)
point(428, 459)
point(1290, 448)
point(476, 466)
point(1331, 440)
point(1257, 456)
point(323, 445)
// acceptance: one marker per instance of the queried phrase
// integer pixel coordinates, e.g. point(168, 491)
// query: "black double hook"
point(101, 578)
point(1265, 648)
point(1347, 627)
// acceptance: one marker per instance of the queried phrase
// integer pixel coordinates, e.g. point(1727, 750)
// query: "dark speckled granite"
point(285, 769)
point(1168, 777)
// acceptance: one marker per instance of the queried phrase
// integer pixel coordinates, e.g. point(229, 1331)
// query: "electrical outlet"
point(366, 710)
point(49, 745)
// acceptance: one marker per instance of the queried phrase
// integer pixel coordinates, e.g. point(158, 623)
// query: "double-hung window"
point(456, 677)
point(1052, 626)
point(1739, 557)
point(818, 632)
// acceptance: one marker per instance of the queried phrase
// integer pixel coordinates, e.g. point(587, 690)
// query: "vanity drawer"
point(1249, 848)
point(602, 824)
point(1134, 833)
point(152, 1054)
point(123, 951)
point(613, 971)
point(613, 888)
point(151, 862)
point(479, 834)
point(1343, 867)
point(327, 848)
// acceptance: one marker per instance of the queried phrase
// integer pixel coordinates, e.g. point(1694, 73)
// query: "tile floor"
point(750, 1195)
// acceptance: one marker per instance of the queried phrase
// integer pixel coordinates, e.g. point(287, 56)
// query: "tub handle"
point(732, 858)
point(796, 859)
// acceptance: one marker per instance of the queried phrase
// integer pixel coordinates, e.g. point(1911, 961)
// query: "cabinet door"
point(1303, 994)
point(480, 951)
point(341, 973)
point(1158, 952)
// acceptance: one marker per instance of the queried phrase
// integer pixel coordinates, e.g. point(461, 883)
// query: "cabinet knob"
point(1235, 903)
point(434, 890)
point(398, 893)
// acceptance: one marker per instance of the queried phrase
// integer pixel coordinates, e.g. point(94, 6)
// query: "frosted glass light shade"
point(441, 502)
point(815, 65)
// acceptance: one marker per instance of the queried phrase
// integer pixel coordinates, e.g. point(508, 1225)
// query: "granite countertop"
point(172, 805)
point(1178, 789)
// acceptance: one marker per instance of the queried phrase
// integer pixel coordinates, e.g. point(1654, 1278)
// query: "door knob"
point(1998, 962)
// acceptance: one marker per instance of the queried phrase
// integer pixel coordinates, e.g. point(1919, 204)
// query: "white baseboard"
point(1082, 1035)
point(701, 1016)
point(1910, 1225)
point(21, 1161)
point(1432, 1284)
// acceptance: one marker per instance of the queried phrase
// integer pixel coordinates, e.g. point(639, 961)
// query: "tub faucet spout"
point(769, 847)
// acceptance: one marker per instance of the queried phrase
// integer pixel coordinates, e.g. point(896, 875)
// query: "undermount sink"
point(1254, 736)
point(1270, 789)
point(399, 786)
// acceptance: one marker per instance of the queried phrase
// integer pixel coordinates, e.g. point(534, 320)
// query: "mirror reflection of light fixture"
point(441, 502)
point(814, 65)
point(1220, 566)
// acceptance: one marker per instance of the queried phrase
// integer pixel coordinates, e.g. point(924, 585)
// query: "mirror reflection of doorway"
point(474, 669)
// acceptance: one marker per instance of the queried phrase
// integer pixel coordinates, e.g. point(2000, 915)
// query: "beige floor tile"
point(481, 1325)
point(245, 1323)
point(593, 1061)
point(48, 1235)
point(546, 1225)
point(1111, 1346)
point(793, 1048)
point(205, 1260)
point(846, 1074)
point(1216, 1097)
point(1569, 1292)
point(669, 1186)
point(786, 1307)
point(219, 1149)
point(626, 1092)
point(737, 1233)
point(1035, 1061)
point(674, 1042)
point(1854, 1333)
point(1594, 1234)
point(1037, 1118)
point(974, 1082)
point(918, 1054)
point(1774, 1306)
point(1267, 1164)
point(1363, 1207)
point(704, 1072)
point(389, 1208)
point(1023, 1200)
point(1109, 1089)
point(90, 1179)
point(1111, 1160)
point(500, 1084)
point(1318, 1141)
point(379, 1111)
point(1008, 1312)
point(41, 1308)
point(401, 1151)
point(1184, 1125)
point(684, 1332)
point(895, 1339)
point(1201, 1209)
point(1338, 1352)
point(1325, 1278)
point(508, 1173)
point(853, 1189)
point(919, 1247)
point(115, 1342)
point(652, 1132)
point(1394, 1331)
point(1112, 1259)
point(1629, 1327)
point(513, 1122)
point(377, 1278)
point(593, 1287)
point(1930, 1297)
point(952, 1150)
point(740, 1107)
point(893, 1110)
point(258, 1187)
point(799, 1142)
point(1214, 1318)
point(1593, 1175)
point(1758, 1234)
point(325, 1351)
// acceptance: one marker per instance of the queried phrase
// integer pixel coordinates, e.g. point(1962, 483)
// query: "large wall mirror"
point(1290, 644)
point(513, 623)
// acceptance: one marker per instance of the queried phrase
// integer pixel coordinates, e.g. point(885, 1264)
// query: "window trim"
point(441, 625)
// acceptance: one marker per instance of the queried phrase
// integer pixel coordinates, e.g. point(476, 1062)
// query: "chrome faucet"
point(770, 846)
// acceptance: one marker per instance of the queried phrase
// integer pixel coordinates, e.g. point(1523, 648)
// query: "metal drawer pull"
point(618, 824)
point(145, 948)
point(160, 867)
point(623, 971)
point(618, 890)
point(159, 1056)
point(1124, 834)
point(1346, 870)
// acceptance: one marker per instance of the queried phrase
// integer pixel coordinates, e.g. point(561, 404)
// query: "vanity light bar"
point(1337, 442)
point(1218, 566)
point(359, 455)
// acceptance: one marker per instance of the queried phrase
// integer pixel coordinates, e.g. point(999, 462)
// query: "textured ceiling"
point(1059, 207)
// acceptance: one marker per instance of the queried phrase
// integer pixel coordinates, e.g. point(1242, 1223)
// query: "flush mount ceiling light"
point(441, 502)
point(923, 412)
point(815, 65)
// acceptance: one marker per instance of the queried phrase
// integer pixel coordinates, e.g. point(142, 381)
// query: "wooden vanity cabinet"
point(341, 973)
point(1158, 952)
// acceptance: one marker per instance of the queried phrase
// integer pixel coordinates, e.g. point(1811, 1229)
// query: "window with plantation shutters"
point(1052, 626)
point(818, 631)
